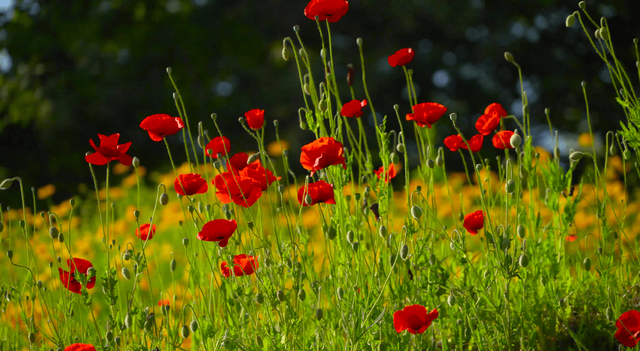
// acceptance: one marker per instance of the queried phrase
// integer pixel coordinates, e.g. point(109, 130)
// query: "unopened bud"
point(319, 314)
point(523, 261)
point(164, 199)
point(172, 266)
point(350, 236)
point(587, 264)
point(259, 298)
point(184, 332)
point(515, 140)
point(479, 167)
point(359, 41)
point(439, 161)
point(453, 117)
point(604, 33)
point(340, 293)
point(280, 295)
point(135, 162)
point(185, 242)
point(582, 4)
point(31, 337)
point(285, 53)
point(521, 231)
point(61, 238)
point(10, 254)
point(451, 300)
point(575, 156)
point(404, 252)
point(53, 232)
point(511, 186)
point(383, 231)
point(302, 295)
point(626, 154)
point(416, 212)
point(571, 19)
point(6, 184)
point(509, 57)
point(194, 326)
point(308, 199)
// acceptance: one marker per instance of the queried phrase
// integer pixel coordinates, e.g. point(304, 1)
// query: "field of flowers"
point(366, 251)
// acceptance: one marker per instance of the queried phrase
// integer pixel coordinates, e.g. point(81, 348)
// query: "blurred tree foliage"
point(72, 69)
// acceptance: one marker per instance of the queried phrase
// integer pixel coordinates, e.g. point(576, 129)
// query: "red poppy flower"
point(331, 10)
point(495, 109)
point(164, 303)
point(243, 265)
point(80, 347)
point(261, 175)
point(414, 318)
point(571, 238)
point(487, 123)
point(242, 190)
point(401, 57)
point(190, 184)
point(319, 191)
point(391, 173)
point(502, 140)
point(109, 150)
point(161, 125)
point(628, 328)
point(353, 108)
point(78, 266)
point(475, 143)
point(322, 153)
point(426, 113)
point(146, 231)
point(255, 118)
point(218, 145)
point(473, 222)
point(219, 230)
point(239, 161)
point(453, 142)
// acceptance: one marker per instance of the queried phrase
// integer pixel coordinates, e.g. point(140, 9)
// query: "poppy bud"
point(308, 200)
point(331, 232)
point(509, 57)
point(451, 300)
point(350, 236)
point(430, 163)
point(6, 184)
point(128, 321)
point(556, 152)
point(600, 251)
point(587, 264)
point(193, 326)
point(200, 140)
point(53, 232)
point(322, 105)
point(185, 242)
point(479, 167)
point(190, 208)
point(307, 90)
point(382, 231)
point(392, 259)
point(253, 158)
point(285, 53)
point(400, 148)
point(394, 157)
point(515, 140)
point(22, 223)
point(280, 295)
point(172, 266)
point(61, 238)
point(135, 162)
point(165, 309)
point(359, 41)
point(109, 336)
point(439, 161)
point(582, 4)
point(404, 252)
point(511, 186)
point(350, 74)
point(164, 199)
point(576, 156)
point(523, 261)
point(612, 150)
point(125, 273)
point(571, 19)
point(10, 254)
point(319, 314)
point(521, 231)
point(184, 332)
point(416, 212)
point(32, 338)
point(302, 295)
point(626, 154)
point(355, 246)
point(39, 283)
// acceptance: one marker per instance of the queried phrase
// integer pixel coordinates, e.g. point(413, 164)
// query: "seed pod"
point(172, 266)
point(53, 232)
point(302, 295)
point(382, 231)
point(521, 231)
point(439, 161)
point(31, 337)
point(340, 293)
point(280, 295)
point(451, 300)
point(571, 19)
point(430, 163)
point(404, 252)
point(193, 326)
point(125, 273)
point(523, 261)
point(184, 332)
point(164, 199)
point(350, 236)
point(61, 238)
point(400, 148)
point(416, 212)
point(128, 321)
point(587, 264)
point(319, 314)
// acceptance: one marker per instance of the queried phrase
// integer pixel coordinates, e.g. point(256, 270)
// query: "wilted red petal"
point(331, 10)
point(219, 230)
point(160, 125)
point(401, 57)
point(426, 113)
point(255, 118)
point(502, 140)
point(190, 184)
point(218, 145)
point(473, 222)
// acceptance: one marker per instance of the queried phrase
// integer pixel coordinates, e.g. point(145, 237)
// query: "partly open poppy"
point(331, 10)
point(628, 328)
point(261, 175)
point(161, 125)
point(473, 222)
point(319, 191)
point(495, 109)
point(164, 303)
point(218, 145)
point(322, 153)
point(414, 318)
point(80, 347)
point(190, 184)
point(487, 123)
point(78, 266)
point(109, 150)
point(242, 190)
point(353, 108)
point(255, 118)
point(502, 140)
point(571, 238)
point(426, 113)
point(242, 265)
point(401, 57)
point(219, 230)
point(390, 174)
point(146, 231)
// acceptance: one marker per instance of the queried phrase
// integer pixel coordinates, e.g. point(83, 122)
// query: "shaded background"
point(72, 69)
